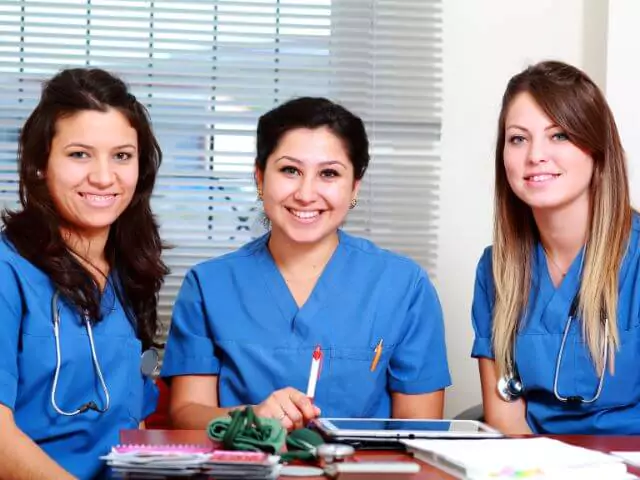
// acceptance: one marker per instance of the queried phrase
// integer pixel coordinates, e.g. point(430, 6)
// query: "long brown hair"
point(133, 248)
point(571, 100)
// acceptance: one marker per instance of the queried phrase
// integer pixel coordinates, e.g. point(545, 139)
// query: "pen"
point(376, 357)
point(314, 373)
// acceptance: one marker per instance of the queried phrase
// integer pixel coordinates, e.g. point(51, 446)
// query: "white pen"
point(314, 373)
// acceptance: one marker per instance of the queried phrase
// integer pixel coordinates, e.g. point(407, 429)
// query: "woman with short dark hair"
point(247, 325)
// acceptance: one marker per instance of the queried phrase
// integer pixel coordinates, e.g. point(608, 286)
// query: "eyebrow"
point(89, 147)
point(520, 127)
point(324, 164)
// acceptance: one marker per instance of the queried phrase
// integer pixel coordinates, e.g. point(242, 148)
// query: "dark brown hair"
point(313, 112)
point(133, 248)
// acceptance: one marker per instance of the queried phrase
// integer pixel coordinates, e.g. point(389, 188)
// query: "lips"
point(98, 198)
point(103, 200)
point(306, 215)
point(541, 177)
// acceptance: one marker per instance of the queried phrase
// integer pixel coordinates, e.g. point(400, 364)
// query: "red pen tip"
point(317, 353)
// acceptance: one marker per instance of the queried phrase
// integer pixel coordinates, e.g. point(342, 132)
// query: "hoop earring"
point(354, 203)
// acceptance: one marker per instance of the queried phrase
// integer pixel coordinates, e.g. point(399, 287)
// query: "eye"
point(123, 156)
point(79, 155)
point(289, 170)
point(516, 139)
point(329, 173)
point(560, 136)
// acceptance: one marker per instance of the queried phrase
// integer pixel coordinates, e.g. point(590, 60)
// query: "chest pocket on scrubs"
point(118, 352)
point(36, 366)
point(355, 389)
point(623, 388)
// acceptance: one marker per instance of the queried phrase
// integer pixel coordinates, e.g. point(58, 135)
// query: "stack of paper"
point(246, 465)
point(632, 458)
point(530, 458)
point(158, 461)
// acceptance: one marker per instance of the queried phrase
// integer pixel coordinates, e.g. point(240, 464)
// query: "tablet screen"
point(406, 425)
point(384, 428)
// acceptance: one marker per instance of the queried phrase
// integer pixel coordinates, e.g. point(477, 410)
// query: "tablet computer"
point(341, 429)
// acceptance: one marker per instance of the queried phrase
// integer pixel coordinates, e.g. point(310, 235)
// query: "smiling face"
point(544, 169)
point(92, 170)
point(307, 185)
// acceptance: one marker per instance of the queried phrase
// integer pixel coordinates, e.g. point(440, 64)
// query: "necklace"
point(289, 279)
point(553, 262)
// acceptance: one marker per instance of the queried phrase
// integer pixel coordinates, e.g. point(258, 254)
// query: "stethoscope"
point(510, 386)
point(148, 366)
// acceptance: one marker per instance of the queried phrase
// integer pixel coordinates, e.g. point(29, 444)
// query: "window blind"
point(207, 69)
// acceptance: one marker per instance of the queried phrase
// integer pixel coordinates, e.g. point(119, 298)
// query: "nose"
point(537, 152)
point(102, 174)
point(306, 192)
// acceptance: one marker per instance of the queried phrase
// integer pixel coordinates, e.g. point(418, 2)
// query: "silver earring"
point(39, 173)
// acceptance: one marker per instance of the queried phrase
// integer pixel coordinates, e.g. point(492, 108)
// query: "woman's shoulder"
point(633, 249)
point(10, 256)
point(486, 259)
point(7, 251)
point(635, 223)
point(15, 269)
point(234, 259)
point(367, 252)
point(484, 269)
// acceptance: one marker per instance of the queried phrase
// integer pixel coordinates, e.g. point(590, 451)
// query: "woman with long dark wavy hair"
point(80, 271)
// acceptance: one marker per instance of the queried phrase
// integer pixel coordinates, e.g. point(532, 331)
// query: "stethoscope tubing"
point(56, 332)
point(509, 394)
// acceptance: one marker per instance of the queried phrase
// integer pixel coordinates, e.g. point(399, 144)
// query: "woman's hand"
point(290, 406)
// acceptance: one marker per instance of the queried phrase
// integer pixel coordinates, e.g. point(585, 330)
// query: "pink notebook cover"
point(173, 448)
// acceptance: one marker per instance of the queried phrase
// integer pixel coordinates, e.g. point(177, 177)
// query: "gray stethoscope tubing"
point(56, 332)
point(510, 386)
point(605, 355)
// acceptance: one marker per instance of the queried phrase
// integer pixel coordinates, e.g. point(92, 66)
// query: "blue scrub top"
point(236, 318)
point(28, 363)
point(617, 411)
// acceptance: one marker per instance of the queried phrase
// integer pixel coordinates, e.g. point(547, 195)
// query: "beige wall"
point(623, 82)
point(485, 43)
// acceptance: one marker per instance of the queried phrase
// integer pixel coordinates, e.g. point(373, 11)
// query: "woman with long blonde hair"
point(556, 307)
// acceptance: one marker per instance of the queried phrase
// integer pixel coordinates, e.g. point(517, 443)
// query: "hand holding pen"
point(292, 407)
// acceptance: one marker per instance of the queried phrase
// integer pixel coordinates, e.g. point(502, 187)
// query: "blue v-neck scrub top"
point(236, 318)
point(28, 362)
point(617, 411)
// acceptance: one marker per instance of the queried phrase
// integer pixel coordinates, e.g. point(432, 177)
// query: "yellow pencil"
point(376, 357)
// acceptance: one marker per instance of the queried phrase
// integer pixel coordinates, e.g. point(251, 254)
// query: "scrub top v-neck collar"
point(325, 289)
point(557, 300)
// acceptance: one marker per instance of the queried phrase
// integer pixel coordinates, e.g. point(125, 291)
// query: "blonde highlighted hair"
point(571, 100)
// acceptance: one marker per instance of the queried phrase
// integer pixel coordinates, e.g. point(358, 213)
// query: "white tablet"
point(386, 428)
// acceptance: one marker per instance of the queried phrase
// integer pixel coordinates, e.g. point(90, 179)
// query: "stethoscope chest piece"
point(149, 362)
point(510, 388)
point(334, 452)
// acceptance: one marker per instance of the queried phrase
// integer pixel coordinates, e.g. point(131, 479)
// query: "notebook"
point(522, 458)
point(632, 458)
point(158, 461)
